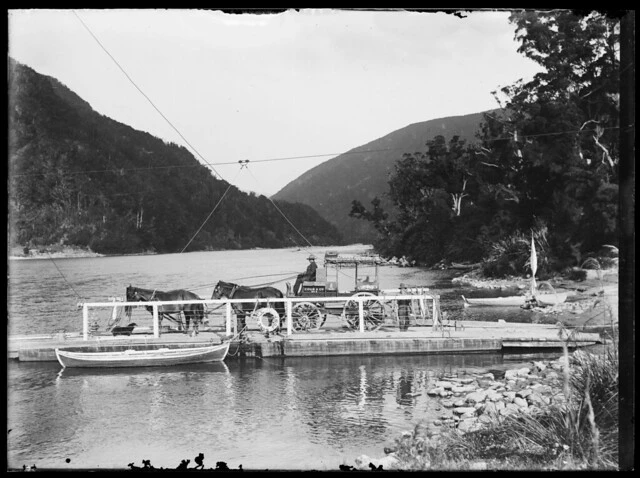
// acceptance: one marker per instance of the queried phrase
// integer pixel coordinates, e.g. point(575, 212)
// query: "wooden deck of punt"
point(468, 337)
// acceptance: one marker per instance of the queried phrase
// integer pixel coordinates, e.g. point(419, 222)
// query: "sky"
point(306, 84)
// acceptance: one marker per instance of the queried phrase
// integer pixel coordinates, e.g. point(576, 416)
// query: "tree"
point(555, 144)
point(547, 161)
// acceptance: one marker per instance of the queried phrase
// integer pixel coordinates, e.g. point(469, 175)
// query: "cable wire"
point(143, 93)
point(209, 216)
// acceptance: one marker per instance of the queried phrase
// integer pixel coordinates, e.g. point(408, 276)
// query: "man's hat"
point(311, 258)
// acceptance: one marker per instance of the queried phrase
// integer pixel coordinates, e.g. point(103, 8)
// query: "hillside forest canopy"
point(545, 165)
point(81, 179)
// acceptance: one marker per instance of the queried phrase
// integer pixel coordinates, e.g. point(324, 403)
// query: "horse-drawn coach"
point(325, 296)
point(346, 288)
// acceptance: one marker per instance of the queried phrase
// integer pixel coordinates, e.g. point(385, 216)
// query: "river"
point(290, 414)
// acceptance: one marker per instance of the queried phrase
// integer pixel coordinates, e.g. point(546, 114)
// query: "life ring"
point(267, 318)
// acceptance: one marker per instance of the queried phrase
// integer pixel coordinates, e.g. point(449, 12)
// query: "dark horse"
point(192, 312)
point(230, 290)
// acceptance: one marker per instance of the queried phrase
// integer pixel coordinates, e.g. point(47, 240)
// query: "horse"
point(229, 290)
point(192, 312)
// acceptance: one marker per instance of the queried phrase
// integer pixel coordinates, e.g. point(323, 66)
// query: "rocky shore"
point(475, 401)
point(592, 302)
point(469, 402)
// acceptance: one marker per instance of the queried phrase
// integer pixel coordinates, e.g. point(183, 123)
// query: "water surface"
point(293, 413)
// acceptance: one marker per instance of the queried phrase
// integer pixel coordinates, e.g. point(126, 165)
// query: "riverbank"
point(51, 252)
point(593, 302)
point(506, 420)
point(487, 406)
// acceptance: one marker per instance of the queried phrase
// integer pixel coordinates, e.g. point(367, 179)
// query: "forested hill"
point(363, 173)
point(79, 178)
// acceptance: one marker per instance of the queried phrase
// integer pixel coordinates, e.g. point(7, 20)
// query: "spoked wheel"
point(306, 316)
point(373, 312)
point(267, 318)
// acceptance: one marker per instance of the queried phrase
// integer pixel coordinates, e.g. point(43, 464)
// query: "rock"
point(509, 395)
point(524, 392)
point(551, 375)
point(447, 404)
point(510, 375)
point(463, 410)
point(476, 397)
point(509, 409)
point(539, 366)
point(493, 396)
point(542, 389)
point(523, 372)
point(490, 408)
point(445, 385)
point(434, 391)
point(539, 400)
point(486, 418)
point(463, 389)
point(467, 424)
point(459, 403)
point(521, 402)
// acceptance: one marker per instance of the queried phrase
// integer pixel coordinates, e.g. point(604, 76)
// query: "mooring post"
point(361, 313)
point(228, 318)
point(85, 322)
point(435, 313)
point(156, 326)
point(289, 319)
point(437, 322)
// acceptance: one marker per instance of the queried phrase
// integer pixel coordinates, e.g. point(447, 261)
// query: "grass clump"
point(577, 433)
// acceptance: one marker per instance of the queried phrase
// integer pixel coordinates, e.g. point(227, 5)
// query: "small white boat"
point(143, 358)
point(551, 299)
point(511, 301)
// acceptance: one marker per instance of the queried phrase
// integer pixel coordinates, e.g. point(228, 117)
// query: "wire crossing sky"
point(299, 84)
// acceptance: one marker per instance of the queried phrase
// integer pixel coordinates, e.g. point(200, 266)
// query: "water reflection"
point(297, 413)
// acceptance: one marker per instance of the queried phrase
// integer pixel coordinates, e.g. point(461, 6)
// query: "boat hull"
point(513, 301)
point(551, 299)
point(142, 358)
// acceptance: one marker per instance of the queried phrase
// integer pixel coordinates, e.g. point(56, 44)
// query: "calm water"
point(311, 413)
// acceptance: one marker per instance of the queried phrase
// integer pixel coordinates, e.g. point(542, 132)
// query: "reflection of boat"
point(551, 299)
point(208, 369)
point(512, 301)
point(143, 358)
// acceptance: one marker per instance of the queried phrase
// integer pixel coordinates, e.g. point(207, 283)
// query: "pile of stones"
point(470, 402)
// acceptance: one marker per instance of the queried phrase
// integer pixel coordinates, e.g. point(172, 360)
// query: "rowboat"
point(143, 358)
point(511, 301)
point(551, 299)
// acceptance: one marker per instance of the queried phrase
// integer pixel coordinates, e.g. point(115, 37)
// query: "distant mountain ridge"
point(79, 178)
point(362, 173)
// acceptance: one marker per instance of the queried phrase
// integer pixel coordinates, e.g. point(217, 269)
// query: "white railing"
point(268, 302)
